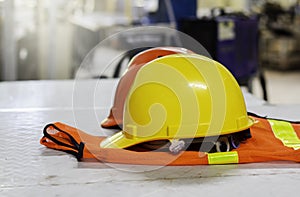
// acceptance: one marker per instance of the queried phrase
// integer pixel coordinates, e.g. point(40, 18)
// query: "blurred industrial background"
point(49, 39)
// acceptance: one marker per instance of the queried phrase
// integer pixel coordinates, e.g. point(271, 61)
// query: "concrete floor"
point(283, 87)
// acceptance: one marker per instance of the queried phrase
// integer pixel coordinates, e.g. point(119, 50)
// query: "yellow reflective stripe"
point(285, 132)
point(223, 157)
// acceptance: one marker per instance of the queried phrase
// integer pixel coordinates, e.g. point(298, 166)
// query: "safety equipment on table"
point(180, 97)
point(178, 103)
point(115, 118)
point(272, 140)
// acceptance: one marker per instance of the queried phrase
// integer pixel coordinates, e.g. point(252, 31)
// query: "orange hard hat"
point(115, 117)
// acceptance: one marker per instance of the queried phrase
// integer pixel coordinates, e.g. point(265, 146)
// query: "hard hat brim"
point(118, 140)
point(109, 123)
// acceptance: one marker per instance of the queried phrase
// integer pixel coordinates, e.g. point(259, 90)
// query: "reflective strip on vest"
point(285, 132)
point(223, 157)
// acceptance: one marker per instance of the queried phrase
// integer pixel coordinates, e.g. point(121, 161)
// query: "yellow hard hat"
point(179, 97)
point(115, 118)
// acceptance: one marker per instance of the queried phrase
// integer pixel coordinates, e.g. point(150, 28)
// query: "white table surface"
point(30, 169)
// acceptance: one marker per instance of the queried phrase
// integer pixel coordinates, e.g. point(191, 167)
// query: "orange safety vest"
point(272, 140)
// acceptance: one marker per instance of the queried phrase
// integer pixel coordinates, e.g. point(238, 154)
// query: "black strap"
point(77, 147)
